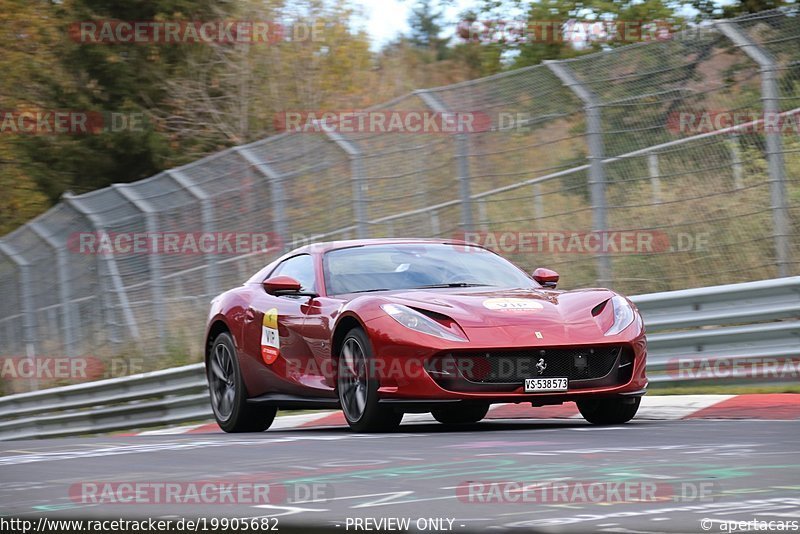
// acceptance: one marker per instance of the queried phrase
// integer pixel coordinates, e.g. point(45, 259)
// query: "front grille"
point(514, 366)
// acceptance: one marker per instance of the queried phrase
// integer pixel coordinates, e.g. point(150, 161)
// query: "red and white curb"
point(781, 406)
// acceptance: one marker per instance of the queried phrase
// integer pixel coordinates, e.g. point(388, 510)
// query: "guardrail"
point(737, 323)
point(137, 401)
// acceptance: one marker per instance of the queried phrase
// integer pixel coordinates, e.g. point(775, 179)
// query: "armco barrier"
point(753, 321)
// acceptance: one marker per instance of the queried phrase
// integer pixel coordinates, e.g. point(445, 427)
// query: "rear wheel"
point(461, 414)
point(228, 392)
point(357, 387)
point(613, 411)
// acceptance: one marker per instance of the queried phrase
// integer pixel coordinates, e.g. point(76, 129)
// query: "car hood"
point(518, 313)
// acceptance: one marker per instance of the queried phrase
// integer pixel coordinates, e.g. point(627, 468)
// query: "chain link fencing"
point(596, 145)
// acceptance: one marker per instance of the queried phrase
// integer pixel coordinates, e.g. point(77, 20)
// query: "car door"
point(319, 321)
point(280, 357)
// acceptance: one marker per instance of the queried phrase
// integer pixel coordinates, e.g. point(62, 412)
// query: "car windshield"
point(418, 265)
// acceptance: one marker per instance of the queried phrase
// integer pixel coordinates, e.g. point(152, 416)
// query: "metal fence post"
point(462, 156)
point(207, 218)
point(153, 259)
point(26, 302)
point(736, 161)
point(538, 203)
point(770, 99)
point(64, 286)
point(462, 161)
point(276, 192)
point(110, 263)
point(483, 216)
point(655, 176)
point(357, 177)
point(435, 229)
point(594, 140)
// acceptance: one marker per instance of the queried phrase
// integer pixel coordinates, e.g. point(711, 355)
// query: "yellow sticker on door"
point(271, 318)
point(270, 341)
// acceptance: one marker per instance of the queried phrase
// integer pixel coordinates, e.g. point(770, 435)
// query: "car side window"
point(301, 268)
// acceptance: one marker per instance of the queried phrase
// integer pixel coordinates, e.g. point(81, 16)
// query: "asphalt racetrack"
point(691, 475)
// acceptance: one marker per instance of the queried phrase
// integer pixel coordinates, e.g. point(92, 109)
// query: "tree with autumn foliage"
point(201, 98)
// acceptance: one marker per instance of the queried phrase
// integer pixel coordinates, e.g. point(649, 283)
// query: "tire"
point(357, 387)
point(461, 414)
point(229, 394)
point(614, 411)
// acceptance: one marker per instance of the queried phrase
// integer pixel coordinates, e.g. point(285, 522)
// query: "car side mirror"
point(281, 285)
point(546, 277)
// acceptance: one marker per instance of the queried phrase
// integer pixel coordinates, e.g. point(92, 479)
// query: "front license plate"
point(536, 385)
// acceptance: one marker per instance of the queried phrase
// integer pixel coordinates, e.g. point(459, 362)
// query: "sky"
point(386, 19)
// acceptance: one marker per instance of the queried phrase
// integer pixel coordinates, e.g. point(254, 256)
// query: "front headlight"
point(418, 322)
point(623, 315)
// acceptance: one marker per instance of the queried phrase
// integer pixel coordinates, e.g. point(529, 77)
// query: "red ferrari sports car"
point(383, 327)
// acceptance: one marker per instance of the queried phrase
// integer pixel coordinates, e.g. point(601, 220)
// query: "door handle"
point(249, 315)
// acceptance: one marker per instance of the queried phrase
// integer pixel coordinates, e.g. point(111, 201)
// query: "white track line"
point(672, 407)
point(656, 407)
point(294, 421)
point(172, 430)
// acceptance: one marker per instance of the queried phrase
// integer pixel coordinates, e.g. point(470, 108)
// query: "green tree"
point(538, 46)
point(426, 22)
point(232, 95)
point(123, 79)
point(712, 9)
point(195, 98)
point(31, 71)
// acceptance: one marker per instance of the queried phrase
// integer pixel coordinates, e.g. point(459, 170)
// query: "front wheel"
point(357, 387)
point(228, 392)
point(614, 411)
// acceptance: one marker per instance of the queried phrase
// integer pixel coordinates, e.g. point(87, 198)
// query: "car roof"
point(326, 246)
